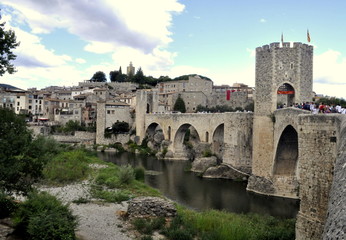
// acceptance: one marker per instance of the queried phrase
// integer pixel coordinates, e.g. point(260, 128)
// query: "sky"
point(66, 42)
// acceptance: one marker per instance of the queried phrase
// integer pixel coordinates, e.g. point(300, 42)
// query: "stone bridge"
point(295, 156)
point(228, 134)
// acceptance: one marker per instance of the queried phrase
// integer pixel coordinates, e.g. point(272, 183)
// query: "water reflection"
point(199, 193)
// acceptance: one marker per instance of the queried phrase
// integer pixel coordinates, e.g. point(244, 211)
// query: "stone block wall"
point(335, 227)
point(238, 141)
point(318, 137)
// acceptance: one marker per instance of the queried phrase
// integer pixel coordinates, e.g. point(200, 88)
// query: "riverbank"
point(97, 220)
point(99, 195)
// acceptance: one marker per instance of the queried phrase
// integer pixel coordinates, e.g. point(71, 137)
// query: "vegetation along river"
point(186, 188)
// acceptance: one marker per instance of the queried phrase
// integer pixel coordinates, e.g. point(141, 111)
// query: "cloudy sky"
point(65, 42)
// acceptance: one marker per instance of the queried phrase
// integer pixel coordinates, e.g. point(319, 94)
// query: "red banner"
point(285, 92)
point(228, 95)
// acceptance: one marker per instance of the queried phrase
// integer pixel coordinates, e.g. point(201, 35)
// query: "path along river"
point(186, 188)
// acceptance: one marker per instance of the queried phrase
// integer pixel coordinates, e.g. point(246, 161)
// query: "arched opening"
point(148, 108)
point(169, 133)
point(207, 137)
point(154, 136)
point(186, 136)
point(285, 96)
point(218, 141)
point(287, 153)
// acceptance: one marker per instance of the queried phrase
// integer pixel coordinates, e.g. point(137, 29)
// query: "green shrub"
point(207, 153)
point(110, 196)
point(139, 173)
point(147, 237)
point(44, 217)
point(126, 174)
point(7, 205)
point(143, 226)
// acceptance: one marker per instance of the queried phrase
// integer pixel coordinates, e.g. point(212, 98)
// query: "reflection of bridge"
point(229, 134)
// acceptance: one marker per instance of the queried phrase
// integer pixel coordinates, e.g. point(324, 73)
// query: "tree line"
point(138, 77)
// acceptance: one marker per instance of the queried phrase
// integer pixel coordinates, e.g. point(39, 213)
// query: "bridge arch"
point(180, 135)
point(218, 140)
point(152, 129)
point(286, 157)
point(286, 95)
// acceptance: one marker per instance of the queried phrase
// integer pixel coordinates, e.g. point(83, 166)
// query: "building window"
point(292, 65)
point(108, 112)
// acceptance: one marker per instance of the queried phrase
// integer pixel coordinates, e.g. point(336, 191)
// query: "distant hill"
point(9, 87)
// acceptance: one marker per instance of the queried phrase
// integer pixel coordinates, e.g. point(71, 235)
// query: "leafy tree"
point(8, 42)
point(179, 105)
point(113, 75)
point(120, 127)
point(99, 77)
point(20, 164)
point(139, 77)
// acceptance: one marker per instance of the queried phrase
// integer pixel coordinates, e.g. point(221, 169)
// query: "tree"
point(99, 77)
point(179, 105)
point(8, 42)
point(20, 164)
point(113, 75)
point(139, 77)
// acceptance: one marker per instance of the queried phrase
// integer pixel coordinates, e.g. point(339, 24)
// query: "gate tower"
point(283, 77)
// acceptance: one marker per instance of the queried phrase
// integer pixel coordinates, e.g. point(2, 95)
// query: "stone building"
point(109, 113)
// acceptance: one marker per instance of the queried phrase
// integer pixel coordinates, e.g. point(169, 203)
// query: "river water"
point(186, 188)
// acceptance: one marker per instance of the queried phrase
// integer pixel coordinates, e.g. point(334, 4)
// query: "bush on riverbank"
point(44, 217)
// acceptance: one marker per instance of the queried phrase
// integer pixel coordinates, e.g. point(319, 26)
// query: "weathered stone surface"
point(200, 148)
point(202, 164)
point(150, 207)
point(335, 227)
point(158, 137)
point(260, 185)
point(226, 172)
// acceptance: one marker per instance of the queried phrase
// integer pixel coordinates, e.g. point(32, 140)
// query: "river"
point(186, 188)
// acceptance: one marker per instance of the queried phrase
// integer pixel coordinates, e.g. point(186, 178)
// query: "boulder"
point(225, 172)
point(202, 164)
point(158, 137)
point(150, 207)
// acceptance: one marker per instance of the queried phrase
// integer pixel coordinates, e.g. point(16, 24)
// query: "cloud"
point(262, 20)
point(330, 73)
point(80, 60)
point(142, 25)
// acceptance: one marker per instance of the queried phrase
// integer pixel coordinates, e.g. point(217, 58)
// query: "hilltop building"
point(130, 70)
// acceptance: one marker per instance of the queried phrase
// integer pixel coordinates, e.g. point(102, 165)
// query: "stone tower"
point(146, 102)
point(130, 70)
point(283, 77)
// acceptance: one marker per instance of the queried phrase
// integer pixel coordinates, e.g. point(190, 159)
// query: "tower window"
point(292, 65)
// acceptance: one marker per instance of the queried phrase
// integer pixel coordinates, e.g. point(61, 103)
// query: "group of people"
point(318, 108)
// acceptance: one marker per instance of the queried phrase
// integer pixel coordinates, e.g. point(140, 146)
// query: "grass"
point(213, 225)
point(68, 167)
point(118, 177)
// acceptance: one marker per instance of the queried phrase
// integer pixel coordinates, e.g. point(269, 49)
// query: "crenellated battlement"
point(276, 45)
